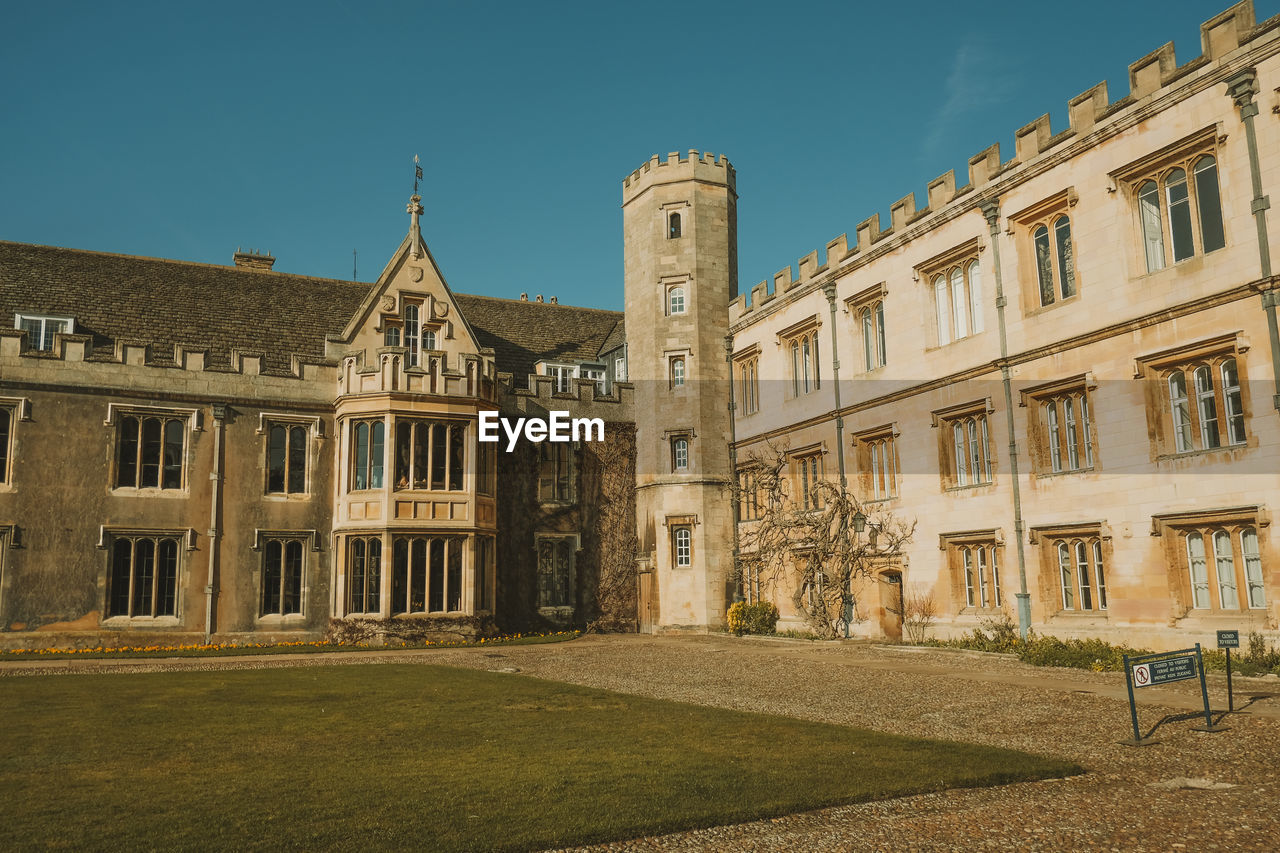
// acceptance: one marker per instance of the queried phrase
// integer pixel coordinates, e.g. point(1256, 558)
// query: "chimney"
point(555, 300)
point(253, 260)
point(539, 297)
point(524, 297)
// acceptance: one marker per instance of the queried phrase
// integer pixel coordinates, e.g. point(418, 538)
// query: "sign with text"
point(1228, 639)
point(1164, 671)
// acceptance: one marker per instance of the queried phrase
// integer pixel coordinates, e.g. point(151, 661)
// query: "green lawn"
point(421, 757)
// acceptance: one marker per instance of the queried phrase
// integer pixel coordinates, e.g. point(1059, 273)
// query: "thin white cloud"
point(974, 82)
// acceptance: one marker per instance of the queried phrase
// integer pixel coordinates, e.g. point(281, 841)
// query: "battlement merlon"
point(705, 167)
point(1220, 38)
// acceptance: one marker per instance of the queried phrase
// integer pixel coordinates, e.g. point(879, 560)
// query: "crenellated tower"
point(680, 243)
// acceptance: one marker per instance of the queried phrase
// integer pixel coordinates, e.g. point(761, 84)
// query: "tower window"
point(673, 226)
point(677, 372)
point(675, 300)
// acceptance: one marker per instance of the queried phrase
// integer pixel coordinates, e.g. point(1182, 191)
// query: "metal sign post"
point(1165, 668)
point(1228, 640)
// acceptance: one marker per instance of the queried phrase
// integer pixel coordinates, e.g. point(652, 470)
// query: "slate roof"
point(202, 306)
point(220, 308)
point(523, 333)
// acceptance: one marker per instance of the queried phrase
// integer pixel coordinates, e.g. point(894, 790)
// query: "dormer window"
point(40, 329)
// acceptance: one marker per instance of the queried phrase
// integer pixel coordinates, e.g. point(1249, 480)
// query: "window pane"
point(982, 577)
point(361, 457)
point(1044, 265)
point(376, 456)
point(967, 556)
point(272, 569)
point(167, 579)
point(959, 304)
point(121, 574)
point(1066, 262)
point(411, 332)
point(975, 297)
point(356, 577)
point(942, 303)
point(1207, 199)
point(1073, 451)
point(4, 445)
point(152, 435)
point(1252, 567)
point(1226, 566)
point(291, 600)
point(1085, 436)
point(418, 577)
point(1064, 570)
point(456, 467)
point(1175, 187)
point(995, 577)
point(1152, 234)
point(880, 334)
point(275, 459)
point(1181, 411)
point(1207, 408)
point(436, 585)
point(127, 472)
point(962, 457)
point(1055, 439)
point(1101, 575)
point(297, 460)
point(172, 474)
point(420, 453)
point(1231, 397)
point(455, 574)
point(868, 341)
point(144, 576)
point(1082, 572)
point(1199, 571)
point(373, 598)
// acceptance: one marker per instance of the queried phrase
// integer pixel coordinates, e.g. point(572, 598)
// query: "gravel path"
point(1132, 799)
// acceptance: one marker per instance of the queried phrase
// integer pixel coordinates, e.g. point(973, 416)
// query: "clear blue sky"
point(183, 131)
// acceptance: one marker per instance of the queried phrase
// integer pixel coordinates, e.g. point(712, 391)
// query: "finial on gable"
point(414, 209)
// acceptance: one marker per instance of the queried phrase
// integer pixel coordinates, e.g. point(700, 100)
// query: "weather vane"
point(417, 174)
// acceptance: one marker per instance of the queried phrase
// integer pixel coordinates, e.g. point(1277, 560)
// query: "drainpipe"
point(733, 471)
point(829, 290)
point(991, 210)
point(215, 510)
point(1241, 87)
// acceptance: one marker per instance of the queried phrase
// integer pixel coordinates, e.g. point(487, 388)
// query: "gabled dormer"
point(409, 333)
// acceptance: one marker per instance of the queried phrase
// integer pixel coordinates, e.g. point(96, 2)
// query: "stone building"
point(1065, 371)
point(190, 451)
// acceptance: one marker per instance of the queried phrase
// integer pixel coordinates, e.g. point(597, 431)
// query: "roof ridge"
point(223, 267)
point(531, 302)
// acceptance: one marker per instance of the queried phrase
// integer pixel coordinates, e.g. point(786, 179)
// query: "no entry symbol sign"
point(1142, 675)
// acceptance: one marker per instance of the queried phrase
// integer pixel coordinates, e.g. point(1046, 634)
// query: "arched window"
point(1252, 567)
point(1044, 264)
point(1082, 573)
point(5, 419)
point(1181, 411)
point(975, 297)
point(1199, 571)
point(1066, 261)
point(969, 579)
point(1226, 566)
point(677, 372)
point(1055, 440)
point(675, 300)
point(683, 547)
point(1209, 203)
point(959, 304)
point(1178, 201)
point(680, 454)
point(1064, 569)
point(1152, 229)
point(942, 303)
point(1100, 573)
point(868, 340)
point(673, 226)
point(880, 334)
point(962, 455)
point(1206, 407)
point(795, 368)
point(367, 455)
point(1232, 402)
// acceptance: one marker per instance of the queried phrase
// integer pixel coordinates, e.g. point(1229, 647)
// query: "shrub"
point(758, 618)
